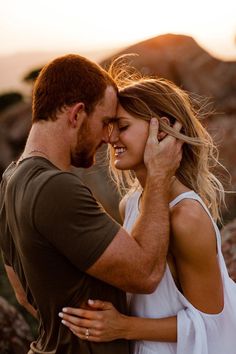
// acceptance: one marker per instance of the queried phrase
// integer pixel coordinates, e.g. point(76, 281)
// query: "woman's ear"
point(161, 135)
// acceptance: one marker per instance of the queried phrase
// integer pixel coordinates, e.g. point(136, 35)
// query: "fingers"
point(77, 312)
point(85, 329)
point(153, 128)
point(177, 126)
point(171, 139)
point(162, 158)
point(99, 305)
point(95, 304)
point(77, 321)
point(94, 325)
point(90, 330)
point(81, 332)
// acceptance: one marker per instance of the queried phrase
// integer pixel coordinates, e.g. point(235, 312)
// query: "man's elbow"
point(148, 286)
point(149, 283)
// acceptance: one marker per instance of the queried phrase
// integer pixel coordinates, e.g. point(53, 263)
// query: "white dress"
point(198, 332)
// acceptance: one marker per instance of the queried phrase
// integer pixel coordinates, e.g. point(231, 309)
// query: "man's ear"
point(161, 135)
point(77, 114)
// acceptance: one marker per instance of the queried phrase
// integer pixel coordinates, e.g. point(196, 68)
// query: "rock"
point(15, 124)
point(15, 334)
point(229, 247)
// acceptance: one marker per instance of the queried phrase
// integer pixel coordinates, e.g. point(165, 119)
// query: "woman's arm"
point(193, 244)
point(105, 324)
point(19, 291)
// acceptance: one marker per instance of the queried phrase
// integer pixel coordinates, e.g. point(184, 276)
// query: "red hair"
point(65, 81)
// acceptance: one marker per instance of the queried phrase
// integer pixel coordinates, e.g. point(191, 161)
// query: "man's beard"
point(84, 153)
point(82, 158)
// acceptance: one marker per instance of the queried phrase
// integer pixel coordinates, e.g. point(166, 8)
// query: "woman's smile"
point(119, 151)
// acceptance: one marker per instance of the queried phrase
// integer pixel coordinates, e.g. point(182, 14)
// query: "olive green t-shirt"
point(51, 231)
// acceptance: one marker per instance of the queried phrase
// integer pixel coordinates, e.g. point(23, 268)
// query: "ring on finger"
point(87, 333)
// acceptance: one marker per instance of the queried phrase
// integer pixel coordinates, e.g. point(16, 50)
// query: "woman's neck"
point(176, 186)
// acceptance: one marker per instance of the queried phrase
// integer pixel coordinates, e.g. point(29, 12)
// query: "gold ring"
point(87, 333)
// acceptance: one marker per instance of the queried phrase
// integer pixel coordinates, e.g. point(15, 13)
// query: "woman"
point(193, 310)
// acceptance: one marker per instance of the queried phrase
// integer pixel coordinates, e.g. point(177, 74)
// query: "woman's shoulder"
point(192, 228)
point(187, 209)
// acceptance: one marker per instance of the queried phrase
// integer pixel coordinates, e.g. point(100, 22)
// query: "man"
point(60, 248)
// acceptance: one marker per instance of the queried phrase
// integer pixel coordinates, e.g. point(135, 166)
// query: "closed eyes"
point(122, 128)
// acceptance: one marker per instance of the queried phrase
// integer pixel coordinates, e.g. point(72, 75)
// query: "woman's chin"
point(121, 165)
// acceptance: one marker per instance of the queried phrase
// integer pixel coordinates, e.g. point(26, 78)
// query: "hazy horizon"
point(13, 67)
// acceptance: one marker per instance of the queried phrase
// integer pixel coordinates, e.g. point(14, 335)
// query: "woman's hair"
point(145, 98)
point(65, 81)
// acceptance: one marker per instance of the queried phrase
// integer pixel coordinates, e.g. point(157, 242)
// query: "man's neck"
point(44, 140)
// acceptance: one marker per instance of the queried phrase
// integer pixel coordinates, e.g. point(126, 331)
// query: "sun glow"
point(91, 25)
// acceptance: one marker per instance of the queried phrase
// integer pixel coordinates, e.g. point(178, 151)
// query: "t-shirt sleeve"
point(69, 217)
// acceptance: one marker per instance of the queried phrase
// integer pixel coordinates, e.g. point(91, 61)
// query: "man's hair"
point(65, 81)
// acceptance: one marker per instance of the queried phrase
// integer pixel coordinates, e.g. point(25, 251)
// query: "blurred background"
point(191, 43)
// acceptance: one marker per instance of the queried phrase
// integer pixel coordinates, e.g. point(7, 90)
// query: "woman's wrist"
point(125, 327)
point(150, 329)
point(128, 327)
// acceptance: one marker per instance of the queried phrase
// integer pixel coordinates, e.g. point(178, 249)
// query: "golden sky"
point(74, 25)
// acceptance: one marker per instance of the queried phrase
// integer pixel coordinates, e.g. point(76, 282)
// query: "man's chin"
point(83, 163)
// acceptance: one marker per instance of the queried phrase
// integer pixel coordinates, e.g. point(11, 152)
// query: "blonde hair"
point(145, 98)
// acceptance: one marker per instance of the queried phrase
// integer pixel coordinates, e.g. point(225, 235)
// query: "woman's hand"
point(103, 323)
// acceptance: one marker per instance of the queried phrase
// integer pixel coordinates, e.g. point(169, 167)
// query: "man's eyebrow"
point(121, 117)
point(108, 120)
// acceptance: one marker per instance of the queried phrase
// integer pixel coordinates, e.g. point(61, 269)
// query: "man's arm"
point(137, 263)
point(19, 291)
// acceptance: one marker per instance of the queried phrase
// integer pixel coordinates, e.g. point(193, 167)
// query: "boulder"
point(15, 335)
point(229, 247)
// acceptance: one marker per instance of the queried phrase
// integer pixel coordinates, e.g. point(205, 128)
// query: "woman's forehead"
point(121, 113)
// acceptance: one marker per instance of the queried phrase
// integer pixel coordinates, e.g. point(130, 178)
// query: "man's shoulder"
point(36, 176)
point(40, 171)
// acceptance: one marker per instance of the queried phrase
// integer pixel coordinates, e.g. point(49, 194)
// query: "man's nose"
point(113, 134)
point(106, 134)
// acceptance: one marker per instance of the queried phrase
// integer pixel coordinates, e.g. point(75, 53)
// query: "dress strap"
point(185, 195)
point(191, 195)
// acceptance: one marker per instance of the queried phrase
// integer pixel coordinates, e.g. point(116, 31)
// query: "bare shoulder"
point(193, 233)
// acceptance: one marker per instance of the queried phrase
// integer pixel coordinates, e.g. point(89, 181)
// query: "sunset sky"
point(74, 25)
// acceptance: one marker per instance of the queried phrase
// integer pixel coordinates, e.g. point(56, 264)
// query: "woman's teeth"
point(119, 151)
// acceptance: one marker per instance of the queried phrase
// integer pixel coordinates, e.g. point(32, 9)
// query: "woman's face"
point(128, 140)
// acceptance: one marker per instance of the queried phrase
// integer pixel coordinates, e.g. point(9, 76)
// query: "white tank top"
point(198, 333)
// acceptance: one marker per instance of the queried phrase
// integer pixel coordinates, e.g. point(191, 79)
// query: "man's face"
point(94, 130)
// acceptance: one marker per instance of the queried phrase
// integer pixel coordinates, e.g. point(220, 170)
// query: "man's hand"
point(162, 158)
